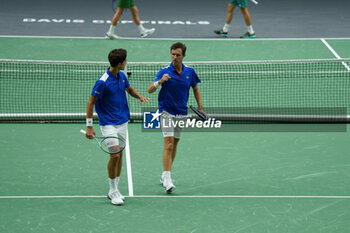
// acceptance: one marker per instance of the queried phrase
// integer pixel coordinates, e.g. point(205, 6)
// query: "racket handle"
point(82, 131)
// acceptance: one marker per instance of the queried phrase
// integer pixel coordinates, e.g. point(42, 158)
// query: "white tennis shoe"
point(121, 196)
point(167, 184)
point(111, 36)
point(147, 32)
point(116, 197)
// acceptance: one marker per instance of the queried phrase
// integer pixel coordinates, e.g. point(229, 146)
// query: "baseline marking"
point(182, 196)
point(138, 38)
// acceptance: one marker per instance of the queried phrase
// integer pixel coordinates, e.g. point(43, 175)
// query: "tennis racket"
point(110, 145)
point(199, 113)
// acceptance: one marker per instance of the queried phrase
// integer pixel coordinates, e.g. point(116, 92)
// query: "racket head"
point(199, 113)
point(112, 145)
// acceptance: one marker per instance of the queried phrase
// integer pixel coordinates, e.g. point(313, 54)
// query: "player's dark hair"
point(116, 56)
point(179, 45)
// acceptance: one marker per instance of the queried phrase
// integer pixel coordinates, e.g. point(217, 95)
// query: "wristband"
point(88, 121)
point(156, 84)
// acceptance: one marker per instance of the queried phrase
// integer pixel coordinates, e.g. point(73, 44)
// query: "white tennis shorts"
point(114, 131)
point(168, 128)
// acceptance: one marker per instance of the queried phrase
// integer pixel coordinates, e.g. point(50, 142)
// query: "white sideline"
point(128, 166)
point(335, 53)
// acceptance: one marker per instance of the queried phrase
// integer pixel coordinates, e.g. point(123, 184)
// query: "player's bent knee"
point(169, 147)
point(134, 9)
point(244, 11)
point(230, 7)
point(169, 144)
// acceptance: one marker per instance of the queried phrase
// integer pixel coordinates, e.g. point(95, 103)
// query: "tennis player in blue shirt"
point(109, 98)
point(176, 81)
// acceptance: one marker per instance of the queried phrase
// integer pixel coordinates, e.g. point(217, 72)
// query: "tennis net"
point(288, 90)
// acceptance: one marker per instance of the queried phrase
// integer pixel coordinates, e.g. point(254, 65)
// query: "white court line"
point(184, 196)
point(200, 39)
point(47, 197)
point(241, 196)
point(128, 166)
point(335, 53)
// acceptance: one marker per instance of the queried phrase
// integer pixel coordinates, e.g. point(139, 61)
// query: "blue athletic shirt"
point(173, 96)
point(112, 106)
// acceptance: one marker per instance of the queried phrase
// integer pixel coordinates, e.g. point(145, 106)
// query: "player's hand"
point(201, 109)
point(90, 133)
point(165, 78)
point(144, 99)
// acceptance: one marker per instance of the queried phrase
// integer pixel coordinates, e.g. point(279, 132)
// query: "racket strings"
point(112, 145)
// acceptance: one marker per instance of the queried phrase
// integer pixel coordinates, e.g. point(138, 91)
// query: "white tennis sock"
point(250, 29)
point(111, 29)
point(226, 27)
point(117, 180)
point(141, 28)
point(166, 174)
point(113, 184)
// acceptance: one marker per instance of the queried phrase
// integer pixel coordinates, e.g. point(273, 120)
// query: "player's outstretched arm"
point(137, 95)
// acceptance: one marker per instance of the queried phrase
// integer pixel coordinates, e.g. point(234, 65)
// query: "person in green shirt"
point(243, 4)
point(122, 5)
